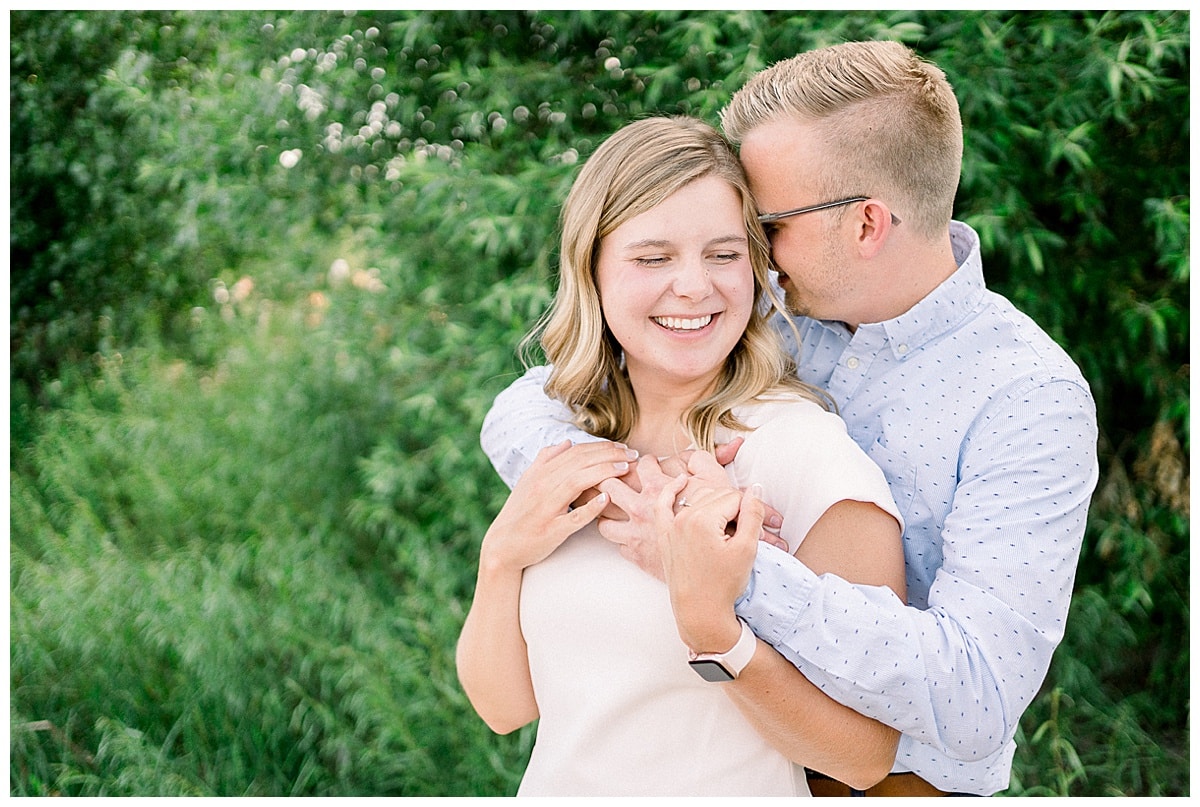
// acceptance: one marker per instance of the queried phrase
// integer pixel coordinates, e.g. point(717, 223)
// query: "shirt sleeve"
point(522, 421)
point(958, 675)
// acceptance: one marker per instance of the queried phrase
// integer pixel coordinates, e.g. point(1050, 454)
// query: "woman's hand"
point(708, 549)
point(628, 522)
point(538, 515)
point(633, 497)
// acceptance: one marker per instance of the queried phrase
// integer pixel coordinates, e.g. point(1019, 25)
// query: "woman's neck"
point(659, 430)
point(662, 436)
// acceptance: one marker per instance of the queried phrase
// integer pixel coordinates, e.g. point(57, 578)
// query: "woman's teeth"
point(680, 324)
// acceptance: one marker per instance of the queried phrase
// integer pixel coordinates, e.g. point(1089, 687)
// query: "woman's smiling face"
point(677, 287)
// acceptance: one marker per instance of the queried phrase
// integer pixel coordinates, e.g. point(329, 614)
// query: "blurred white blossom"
point(339, 272)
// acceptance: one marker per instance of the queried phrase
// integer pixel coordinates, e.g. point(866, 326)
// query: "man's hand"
point(726, 452)
point(634, 495)
point(628, 520)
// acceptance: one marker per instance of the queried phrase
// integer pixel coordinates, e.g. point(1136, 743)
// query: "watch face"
point(711, 670)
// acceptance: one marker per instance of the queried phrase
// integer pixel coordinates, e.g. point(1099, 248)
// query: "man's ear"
point(875, 222)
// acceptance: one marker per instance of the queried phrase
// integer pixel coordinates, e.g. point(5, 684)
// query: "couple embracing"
point(824, 544)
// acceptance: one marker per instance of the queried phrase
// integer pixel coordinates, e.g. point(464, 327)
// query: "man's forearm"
point(877, 651)
point(522, 421)
point(966, 664)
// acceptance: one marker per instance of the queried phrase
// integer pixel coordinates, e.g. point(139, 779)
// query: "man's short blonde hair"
point(888, 120)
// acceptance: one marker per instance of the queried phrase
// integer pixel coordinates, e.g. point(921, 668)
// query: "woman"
point(657, 344)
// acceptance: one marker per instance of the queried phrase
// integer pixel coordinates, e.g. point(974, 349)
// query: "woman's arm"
point(492, 659)
point(790, 712)
point(860, 543)
point(809, 727)
point(493, 663)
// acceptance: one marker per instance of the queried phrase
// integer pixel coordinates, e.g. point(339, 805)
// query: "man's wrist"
point(779, 592)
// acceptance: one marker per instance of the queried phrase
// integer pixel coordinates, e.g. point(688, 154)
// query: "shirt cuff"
point(775, 596)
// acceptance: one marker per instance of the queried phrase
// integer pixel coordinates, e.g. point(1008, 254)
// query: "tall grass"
point(204, 593)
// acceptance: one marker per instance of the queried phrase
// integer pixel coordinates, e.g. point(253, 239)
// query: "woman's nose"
point(692, 280)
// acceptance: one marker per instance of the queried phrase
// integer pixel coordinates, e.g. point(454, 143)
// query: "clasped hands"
point(629, 519)
point(681, 520)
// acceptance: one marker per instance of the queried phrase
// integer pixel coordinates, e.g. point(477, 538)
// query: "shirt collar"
point(940, 310)
point(945, 306)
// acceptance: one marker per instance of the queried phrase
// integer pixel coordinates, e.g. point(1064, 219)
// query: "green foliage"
point(183, 551)
point(269, 270)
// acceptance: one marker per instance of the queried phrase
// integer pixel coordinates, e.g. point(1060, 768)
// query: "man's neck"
point(909, 275)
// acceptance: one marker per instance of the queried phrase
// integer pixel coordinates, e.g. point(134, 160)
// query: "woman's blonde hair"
point(633, 171)
point(888, 121)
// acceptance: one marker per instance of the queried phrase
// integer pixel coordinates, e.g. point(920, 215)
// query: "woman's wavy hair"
point(633, 171)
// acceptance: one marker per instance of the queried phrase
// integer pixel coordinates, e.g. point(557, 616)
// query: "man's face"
point(811, 251)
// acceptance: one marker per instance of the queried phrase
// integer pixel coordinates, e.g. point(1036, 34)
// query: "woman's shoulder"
point(782, 411)
point(794, 428)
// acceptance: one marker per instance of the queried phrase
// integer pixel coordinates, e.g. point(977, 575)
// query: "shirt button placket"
point(846, 378)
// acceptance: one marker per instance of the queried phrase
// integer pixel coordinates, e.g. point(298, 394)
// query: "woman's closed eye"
point(719, 258)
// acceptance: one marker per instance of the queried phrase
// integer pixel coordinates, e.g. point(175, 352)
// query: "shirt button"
point(852, 362)
point(902, 349)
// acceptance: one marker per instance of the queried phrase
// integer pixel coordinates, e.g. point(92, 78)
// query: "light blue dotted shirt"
point(986, 432)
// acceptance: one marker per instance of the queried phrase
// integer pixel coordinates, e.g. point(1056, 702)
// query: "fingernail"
point(631, 453)
point(621, 466)
point(756, 490)
point(774, 522)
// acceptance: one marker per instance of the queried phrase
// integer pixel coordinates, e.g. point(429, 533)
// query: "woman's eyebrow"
point(729, 239)
point(658, 243)
point(661, 243)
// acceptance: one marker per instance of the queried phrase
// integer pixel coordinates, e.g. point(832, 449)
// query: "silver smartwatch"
point(721, 667)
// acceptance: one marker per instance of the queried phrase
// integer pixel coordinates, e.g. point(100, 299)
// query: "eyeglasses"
point(767, 218)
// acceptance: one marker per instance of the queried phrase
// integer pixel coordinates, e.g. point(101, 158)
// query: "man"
point(984, 428)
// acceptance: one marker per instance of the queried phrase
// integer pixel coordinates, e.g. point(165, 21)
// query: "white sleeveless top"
point(622, 713)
